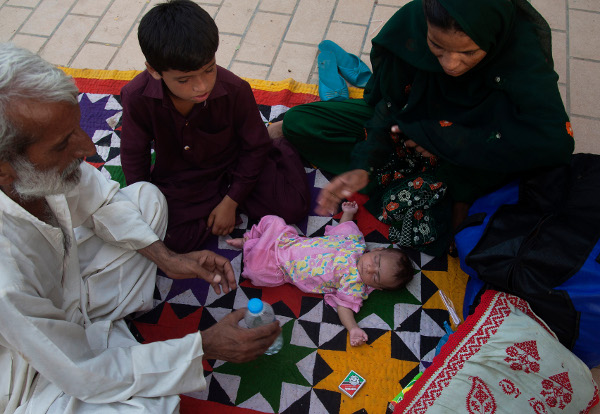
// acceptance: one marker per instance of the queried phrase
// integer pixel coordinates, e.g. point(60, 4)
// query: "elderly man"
point(78, 255)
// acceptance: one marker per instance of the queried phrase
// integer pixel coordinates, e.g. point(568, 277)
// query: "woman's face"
point(456, 52)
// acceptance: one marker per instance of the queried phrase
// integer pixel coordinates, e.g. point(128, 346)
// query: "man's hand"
point(227, 341)
point(203, 264)
point(221, 220)
point(342, 186)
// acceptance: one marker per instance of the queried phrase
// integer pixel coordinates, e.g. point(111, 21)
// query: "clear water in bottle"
point(261, 313)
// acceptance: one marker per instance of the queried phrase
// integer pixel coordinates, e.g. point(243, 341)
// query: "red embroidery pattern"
point(418, 183)
point(509, 387)
point(445, 123)
point(482, 329)
point(435, 186)
point(398, 175)
point(523, 356)
point(569, 129)
point(418, 214)
point(557, 390)
point(480, 399)
point(392, 206)
point(538, 406)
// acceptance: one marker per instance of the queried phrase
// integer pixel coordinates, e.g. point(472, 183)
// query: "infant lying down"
point(337, 264)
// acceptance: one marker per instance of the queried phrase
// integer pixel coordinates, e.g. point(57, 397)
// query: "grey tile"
point(67, 39)
point(234, 15)
point(90, 7)
point(94, 56)
point(348, 36)
point(228, 45)
point(48, 15)
point(554, 11)
point(29, 42)
point(263, 38)
point(310, 21)
point(129, 55)
point(250, 70)
point(584, 34)
point(586, 135)
point(354, 11)
point(117, 22)
point(585, 88)
point(23, 3)
point(559, 54)
point(585, 5)
point(293, 61)
point(278, 6)
point(11, 18)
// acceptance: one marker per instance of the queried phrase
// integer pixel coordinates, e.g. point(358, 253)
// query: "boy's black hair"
point(439, 17)
point(179, 35)
point(404, 271)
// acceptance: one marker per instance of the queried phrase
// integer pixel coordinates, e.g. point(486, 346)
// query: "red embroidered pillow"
point(503, 359)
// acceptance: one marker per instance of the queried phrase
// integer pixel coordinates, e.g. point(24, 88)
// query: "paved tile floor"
point(277, 39)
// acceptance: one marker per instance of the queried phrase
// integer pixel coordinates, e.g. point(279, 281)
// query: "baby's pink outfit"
point(275, 254)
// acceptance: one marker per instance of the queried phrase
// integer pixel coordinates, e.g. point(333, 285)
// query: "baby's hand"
point(357, 336)
point(350, 207)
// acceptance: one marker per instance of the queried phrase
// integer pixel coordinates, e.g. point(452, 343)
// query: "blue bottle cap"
point(255, 305)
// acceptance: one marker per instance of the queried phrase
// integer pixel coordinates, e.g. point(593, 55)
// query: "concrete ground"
point(277, 39)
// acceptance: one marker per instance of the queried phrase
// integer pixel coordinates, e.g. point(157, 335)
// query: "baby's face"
point(376, 269)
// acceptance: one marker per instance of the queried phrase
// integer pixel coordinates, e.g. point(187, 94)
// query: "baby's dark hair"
point(438, 16)
point(404, 270)
point(178, 35)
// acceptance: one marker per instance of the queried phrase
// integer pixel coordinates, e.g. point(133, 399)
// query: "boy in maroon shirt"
point(214, 157)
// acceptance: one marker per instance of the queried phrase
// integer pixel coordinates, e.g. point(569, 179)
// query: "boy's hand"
point(221, 220)
point(358, 336)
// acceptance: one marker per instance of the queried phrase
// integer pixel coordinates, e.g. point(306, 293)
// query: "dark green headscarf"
point(503, 117)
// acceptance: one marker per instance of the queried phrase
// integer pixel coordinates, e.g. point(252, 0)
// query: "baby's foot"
point(350, 207)
point(237, 243)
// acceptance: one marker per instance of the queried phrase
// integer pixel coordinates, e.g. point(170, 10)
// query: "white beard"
point(32, 183)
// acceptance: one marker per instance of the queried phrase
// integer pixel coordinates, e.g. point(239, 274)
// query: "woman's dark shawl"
point(503, 117)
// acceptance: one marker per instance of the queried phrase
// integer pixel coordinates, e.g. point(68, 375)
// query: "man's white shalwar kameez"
point(63, 344)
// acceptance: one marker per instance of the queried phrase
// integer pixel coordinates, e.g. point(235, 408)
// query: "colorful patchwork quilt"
point(404, 327)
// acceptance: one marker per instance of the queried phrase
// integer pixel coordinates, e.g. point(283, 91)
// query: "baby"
point(336, 265)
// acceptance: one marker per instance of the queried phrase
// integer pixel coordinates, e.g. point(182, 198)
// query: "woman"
point(462, 99)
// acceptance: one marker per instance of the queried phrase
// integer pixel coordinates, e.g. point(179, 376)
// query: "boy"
point(214, 157)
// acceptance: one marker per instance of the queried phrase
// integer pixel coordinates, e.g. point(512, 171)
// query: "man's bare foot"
point(275, 130)
point(237, 243)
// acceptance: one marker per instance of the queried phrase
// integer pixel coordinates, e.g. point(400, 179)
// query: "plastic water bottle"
point(261, 313)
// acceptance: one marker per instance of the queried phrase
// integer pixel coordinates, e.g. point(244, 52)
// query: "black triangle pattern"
point(217, 393)
point(312, 330)
point(330, 400)
point(402, 352)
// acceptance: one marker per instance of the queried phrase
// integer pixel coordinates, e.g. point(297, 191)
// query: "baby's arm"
point(349, 209)
point(357, 335)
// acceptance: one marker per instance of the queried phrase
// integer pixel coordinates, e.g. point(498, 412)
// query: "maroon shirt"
point(218, 149)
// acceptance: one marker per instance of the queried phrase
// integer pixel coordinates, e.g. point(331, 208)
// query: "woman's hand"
point(221, 220)
point(409, 143)
point(342, 186)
